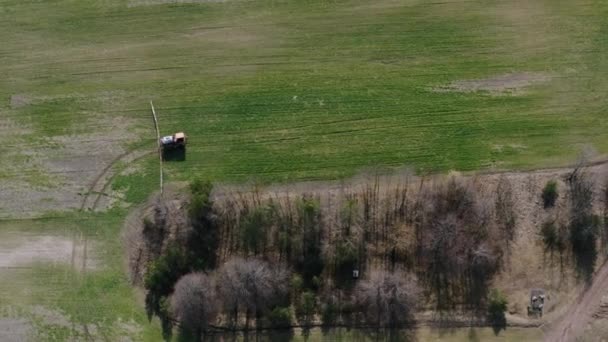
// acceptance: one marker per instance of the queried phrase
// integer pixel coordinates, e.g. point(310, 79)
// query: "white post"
point(160, 151)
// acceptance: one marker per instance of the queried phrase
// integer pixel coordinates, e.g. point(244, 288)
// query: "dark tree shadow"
point(499, 324)
point(175, 154)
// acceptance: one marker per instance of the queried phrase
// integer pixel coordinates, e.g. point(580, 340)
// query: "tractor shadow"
point(178, 154)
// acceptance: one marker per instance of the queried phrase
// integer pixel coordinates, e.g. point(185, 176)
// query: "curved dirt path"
point(102, 181)
point(571, 326)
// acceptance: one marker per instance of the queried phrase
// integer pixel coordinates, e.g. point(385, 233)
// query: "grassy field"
point(283, 90)
point(274, 91)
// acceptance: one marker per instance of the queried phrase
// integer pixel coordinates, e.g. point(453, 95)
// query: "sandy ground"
point(589, 307)
point(14, 330)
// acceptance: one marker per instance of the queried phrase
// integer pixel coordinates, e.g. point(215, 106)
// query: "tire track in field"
point(100, 184)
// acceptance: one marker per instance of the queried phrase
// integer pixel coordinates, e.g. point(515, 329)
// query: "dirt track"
point(571, 326)
point(100, 184)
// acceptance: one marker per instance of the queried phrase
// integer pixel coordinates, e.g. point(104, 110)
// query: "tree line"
point(369, 255)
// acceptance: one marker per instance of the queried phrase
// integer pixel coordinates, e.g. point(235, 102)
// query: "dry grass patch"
point(508, 84)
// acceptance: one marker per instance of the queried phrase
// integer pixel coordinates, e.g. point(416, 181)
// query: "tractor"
point(174, 146)
point(175, 141)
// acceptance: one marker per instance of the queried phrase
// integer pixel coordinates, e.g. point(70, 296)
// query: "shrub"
point(279, 317)
point(550, 194)
point(497, 306)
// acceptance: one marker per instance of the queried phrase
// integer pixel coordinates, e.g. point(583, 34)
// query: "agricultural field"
point(269, 91)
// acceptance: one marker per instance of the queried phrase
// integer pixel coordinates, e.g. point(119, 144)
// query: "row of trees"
point(445, 231)
point(253, 289)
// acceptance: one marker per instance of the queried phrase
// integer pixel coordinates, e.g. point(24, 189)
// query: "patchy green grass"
point(60, 300)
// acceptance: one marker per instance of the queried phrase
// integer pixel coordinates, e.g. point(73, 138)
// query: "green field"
point(275, 91)
point(283, 90)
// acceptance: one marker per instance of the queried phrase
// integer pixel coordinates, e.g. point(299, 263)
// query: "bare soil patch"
point(513, 83)
point(19, 100)
point(14, 330)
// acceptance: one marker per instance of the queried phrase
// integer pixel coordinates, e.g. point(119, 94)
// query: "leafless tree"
point(251, 285)
point(505, 208)
point(387, 299)
point(193, 303)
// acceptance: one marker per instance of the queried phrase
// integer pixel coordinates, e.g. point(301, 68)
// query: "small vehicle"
point(537, 303)
point(175, 141)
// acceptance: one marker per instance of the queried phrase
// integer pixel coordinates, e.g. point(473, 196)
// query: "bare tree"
point(252, 286)
point(387, 299)
point(193, 303)
point(454, 237)
point(505, 208)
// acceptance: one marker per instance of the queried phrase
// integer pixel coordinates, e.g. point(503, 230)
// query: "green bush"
point(497, 306)
point(200, 204)
point(280, 317)
point(253, 229)
point(162, 274)
point(550, 194)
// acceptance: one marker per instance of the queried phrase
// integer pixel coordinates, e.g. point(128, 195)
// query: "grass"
point(284, 90)
point(281, 91)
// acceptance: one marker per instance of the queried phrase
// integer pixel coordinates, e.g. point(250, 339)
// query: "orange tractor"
point(176, 141)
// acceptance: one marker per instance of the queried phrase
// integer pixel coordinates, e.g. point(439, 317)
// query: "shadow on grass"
point(177, 154)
